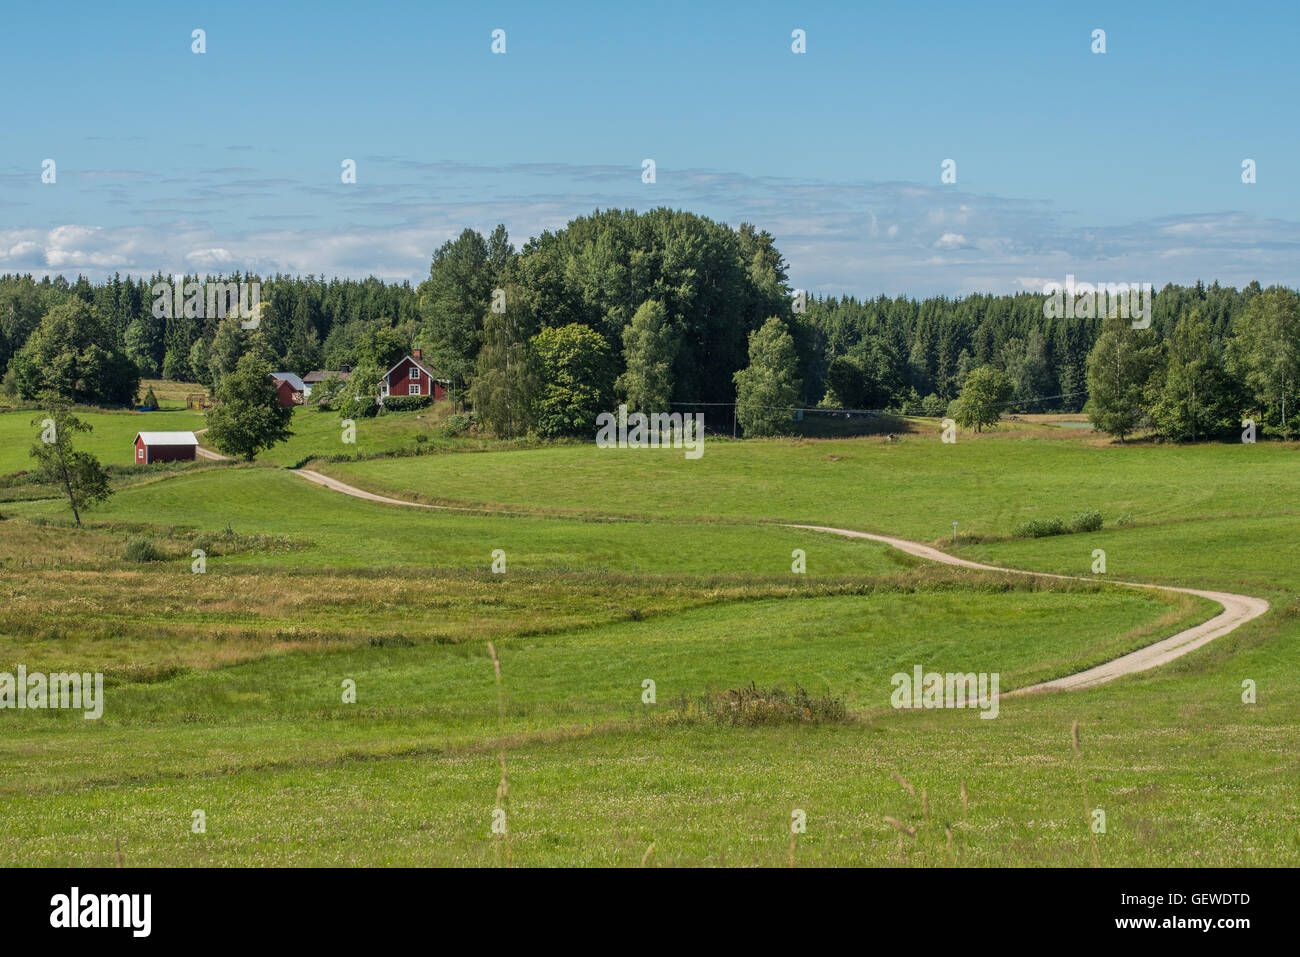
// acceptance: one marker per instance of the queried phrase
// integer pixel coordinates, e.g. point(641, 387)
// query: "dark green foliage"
point(248, 417)
point(1089, 521)
point(714, 286)
point(505, 389)
point(73, 354)
point(767, 390)
point(1040, 528)
point(1120, 370)
point(457, 296)
point(983, 398)
point(407, 403)
point(1194, 397)
point(575, 369)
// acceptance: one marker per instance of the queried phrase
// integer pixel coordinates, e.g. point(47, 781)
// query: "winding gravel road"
point(1237, 609)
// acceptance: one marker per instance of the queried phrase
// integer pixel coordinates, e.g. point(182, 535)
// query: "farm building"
point(292, 390)
point(411, 377)
point(317, 376)
point(153, 447)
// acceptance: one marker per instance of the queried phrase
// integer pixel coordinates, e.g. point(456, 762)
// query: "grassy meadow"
point(224, 689)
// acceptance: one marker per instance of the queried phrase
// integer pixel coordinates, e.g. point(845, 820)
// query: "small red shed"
point(153, 447)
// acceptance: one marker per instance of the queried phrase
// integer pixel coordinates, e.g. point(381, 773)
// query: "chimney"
point(416, 354)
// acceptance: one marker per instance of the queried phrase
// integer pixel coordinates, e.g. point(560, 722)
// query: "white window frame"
point(414, 389)
point(415, 372)
point(139, 454)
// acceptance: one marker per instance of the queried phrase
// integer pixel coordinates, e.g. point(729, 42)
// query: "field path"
point(337, 486)
point(208, 453)
point(1237, 609)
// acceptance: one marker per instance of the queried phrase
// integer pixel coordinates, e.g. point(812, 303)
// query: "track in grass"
point(1237, 609)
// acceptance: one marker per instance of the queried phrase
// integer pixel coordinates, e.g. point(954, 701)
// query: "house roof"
point(167, 438)
point(414, 361)
point(291, 378)
point(320, 375)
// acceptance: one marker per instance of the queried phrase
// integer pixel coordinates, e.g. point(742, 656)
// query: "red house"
point(290, 390)
point(153, 447)
point(410, 377)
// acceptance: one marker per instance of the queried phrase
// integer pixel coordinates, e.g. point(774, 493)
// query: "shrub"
point(456, 425)
point(142, 550)
point(1125, 519)
point(752, 705)
point(407, 403)
point(1089, 521)
point(933, 405)
point(1040, 528)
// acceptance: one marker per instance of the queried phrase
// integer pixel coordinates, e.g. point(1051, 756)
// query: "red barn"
point(153, 447)
point(410, 377)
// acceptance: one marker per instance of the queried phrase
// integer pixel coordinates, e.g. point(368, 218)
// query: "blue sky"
point(1122, 166)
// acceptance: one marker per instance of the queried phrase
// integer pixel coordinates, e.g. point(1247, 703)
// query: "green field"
point(223, 689)
point(110, 438)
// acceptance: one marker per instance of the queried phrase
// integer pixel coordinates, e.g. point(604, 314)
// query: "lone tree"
point(248, 417)
point(986, 391)
point(768, 389)
point(82, 477)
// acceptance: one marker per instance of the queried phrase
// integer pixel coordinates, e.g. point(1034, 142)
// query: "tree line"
point(668, 307)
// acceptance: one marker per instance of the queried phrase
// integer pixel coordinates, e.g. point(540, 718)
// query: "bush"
point(142, 550)
point(933, 405)
point(407, 403)
point(456, 425)
point(1125, 519)
point(1040, 528)
point(1089, 521)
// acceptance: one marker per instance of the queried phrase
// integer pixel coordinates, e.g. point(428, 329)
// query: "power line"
point(823, 409)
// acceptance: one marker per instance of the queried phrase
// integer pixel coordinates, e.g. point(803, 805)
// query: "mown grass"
point(225, 688)
point(328, 529)
point(110, 438)
point(915, 486)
